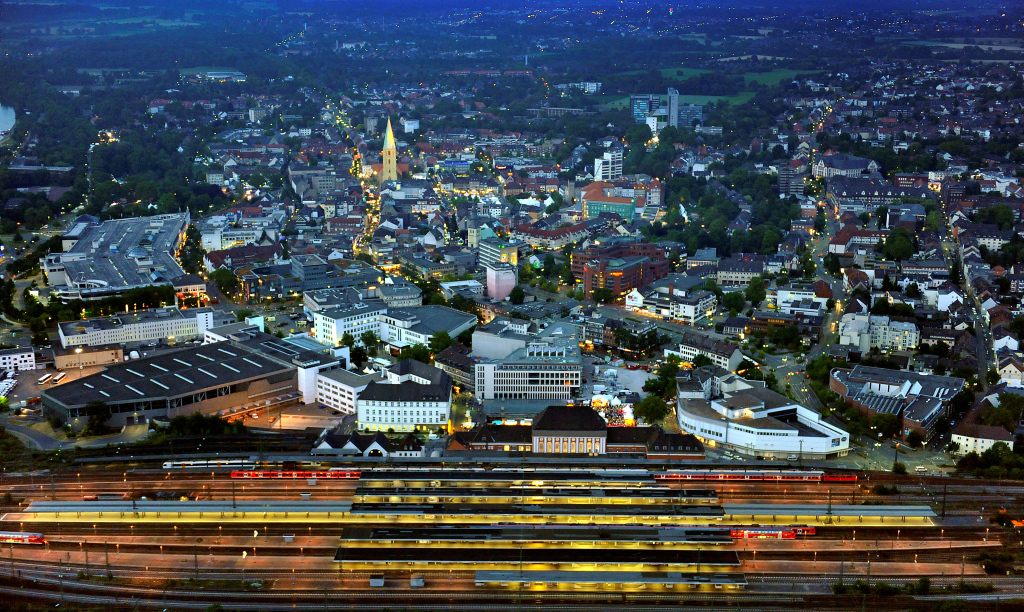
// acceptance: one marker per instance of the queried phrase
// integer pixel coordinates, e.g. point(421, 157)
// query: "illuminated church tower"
point(390, 157)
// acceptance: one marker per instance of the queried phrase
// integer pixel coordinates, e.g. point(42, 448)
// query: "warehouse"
point(213, 379)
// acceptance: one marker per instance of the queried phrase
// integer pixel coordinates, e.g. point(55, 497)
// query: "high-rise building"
point(390, 157)
point(608, 167)
point(494, 251)
point(673, 107)
point(641, 105)
point(688, 113)
point(501, 279)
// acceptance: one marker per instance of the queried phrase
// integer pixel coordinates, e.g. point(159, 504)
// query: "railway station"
point(472, 513)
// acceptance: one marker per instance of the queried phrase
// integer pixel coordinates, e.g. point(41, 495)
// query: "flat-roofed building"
point(338, 389)
point(171, 324)
point(728, 412)
point(418, 324)
point(214, 379)
point(19, 358)
point(331, 325)
point(86, 356)
point(551, 369)
point(109, 258)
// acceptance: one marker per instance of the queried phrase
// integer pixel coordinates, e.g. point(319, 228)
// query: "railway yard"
point(181, 536)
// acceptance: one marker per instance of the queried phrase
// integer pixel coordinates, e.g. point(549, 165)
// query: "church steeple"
point(389, 171)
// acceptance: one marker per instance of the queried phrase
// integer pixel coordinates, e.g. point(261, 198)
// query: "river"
point(6, 118)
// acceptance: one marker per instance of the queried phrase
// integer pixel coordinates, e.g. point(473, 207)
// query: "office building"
point(641, 105)
point(311, 271)
point(417, 325)
point(673, 107)
point(338, 389)
point(160, 324)
point(457, 361)
point(540, 371)
point(917, 399)
point(19, 359)
point(493, 250)
point(331, 325)
point(416, 397)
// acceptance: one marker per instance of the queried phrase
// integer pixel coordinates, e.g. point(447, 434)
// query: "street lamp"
point(78, 351)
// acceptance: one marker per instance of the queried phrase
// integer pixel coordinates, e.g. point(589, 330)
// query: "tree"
point(440, 341)
point(864, 218)
point(914, 439)
point(98, 413)
point(652, 409)
point(602, 295)
point(419, 352)
point(887, 424)
point(898, 245)
point(992, 377)
point(348, 340)
point(755, 292)
point(358, 356)
point(225, 280)
point(734, 301)
point(517, 295)
point(832, 264)
point(242, 314)
point(702, 360)
point(369, 339)
point(898, 467)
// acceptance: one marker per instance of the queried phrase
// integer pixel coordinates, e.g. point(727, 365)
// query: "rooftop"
point(123, 253)
point(168, 374)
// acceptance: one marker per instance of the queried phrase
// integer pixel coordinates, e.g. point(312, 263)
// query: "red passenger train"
point(297, 474)
point(18, 537)
point(756, 475)
point(781, 532)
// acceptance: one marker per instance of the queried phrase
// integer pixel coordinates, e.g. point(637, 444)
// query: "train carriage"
point(18, 537)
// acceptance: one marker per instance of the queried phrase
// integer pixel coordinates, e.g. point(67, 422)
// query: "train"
point(300, 474)
point(209, 463)
point(781, 532)
point(18, 537)
point(756, 475)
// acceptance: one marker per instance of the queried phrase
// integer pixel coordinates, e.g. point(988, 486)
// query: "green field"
point(740, 98)
point(771, 78)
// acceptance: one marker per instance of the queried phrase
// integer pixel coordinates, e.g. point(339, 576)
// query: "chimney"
point(671, 289)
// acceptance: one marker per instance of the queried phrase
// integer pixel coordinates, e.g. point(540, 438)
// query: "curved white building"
point(725, 411)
